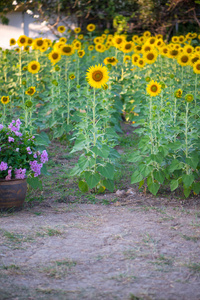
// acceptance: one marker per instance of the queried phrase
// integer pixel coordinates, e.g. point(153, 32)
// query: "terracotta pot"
point(12, 193)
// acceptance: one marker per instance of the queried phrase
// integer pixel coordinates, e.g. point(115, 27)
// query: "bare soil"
point(124, 245)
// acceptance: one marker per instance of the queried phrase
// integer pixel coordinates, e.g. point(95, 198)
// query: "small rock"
point(121, 193)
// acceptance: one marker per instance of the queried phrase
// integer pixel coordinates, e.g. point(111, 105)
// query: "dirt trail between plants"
point(140, 250)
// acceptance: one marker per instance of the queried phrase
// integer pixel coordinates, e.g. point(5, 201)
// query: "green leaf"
point(154, 187)
point(35, 183)
point(145, 170)
point(188, 179)
point(135, 156)
point(192, 161)
point(75, 171)
point(44, 170)
point(174, 184)
point(186, 191)
point(159, 176)
point(141, 184)
point(83, 163)
point(196, 187)
point(102, 152)
point(42, 139)
point(136, 177)
point(83, 187)
point(92, 179)
point(175, 165)
point(109, 184)
point(79, 143)
point(106, 171)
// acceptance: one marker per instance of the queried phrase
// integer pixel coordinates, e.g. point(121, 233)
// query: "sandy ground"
point(136, 248)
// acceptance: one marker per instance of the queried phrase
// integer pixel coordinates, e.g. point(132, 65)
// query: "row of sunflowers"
point(80, 87)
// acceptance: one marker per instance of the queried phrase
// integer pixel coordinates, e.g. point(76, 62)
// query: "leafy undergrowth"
point(60, 187)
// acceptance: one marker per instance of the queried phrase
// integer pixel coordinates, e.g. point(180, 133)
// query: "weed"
point(195, 267)
point(190, 238)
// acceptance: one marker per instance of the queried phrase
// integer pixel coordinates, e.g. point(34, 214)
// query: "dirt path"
point(83, 251)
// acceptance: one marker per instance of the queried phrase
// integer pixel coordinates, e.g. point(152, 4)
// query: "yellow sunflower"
point(189, 97)
point(127, 47)
point(193, 58)
point(77, 45)
point(189, 49)
point(153, 88)
point(38, 43)
point(31, 91)
point(80, 36)
point(196, 67)
point(173, 53)
point(97, 76)
point(5, 100)
point(147, 34)
point(100, 48)
point(90, 47)
point(81, 53)
point(34, 67)
point(61, 29)
point(22, 40)
point(183, 59)
point(90, 27)
point(98, 40)
point(71, 76)
point(118, 40)
point(135, 58)
point(178, 93)
point(126, 58)
point(63, 40)
point(147, 48)
point(110, 60)
point(137, 48)
point(54, 57)
point(135, 38)
point(30, 41)
point(77, 29)
point(12, 42)
point(150, 57)
point(181, 39)
point(175, 39)
point(141, 63)
point(67, 50)
point(49, 42)
point(164, 50)
point(151, 40)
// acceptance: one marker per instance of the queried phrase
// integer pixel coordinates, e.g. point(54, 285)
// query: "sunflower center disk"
point(34, 67)
point(97, 76)
point(154, 88)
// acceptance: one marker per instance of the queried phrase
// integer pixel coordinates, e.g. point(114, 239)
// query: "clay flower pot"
point(12, 193)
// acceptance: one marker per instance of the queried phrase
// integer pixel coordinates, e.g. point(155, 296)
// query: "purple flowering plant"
point(20, 156)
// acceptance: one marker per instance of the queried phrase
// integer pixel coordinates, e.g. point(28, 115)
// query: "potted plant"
point(20, 161)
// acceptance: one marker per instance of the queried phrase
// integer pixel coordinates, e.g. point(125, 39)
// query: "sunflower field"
point(79, 87)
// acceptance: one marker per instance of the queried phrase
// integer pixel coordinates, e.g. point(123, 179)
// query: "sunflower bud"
point(189, 97)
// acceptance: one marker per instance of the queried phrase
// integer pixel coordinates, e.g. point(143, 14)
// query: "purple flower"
point(17, 149)
point(0, 148)
point(10, 139)
point(35, 167)
point(8, 177)
point(44, 156)
point(16, 128)
point(1, 126)
point(3, 166)
point(29, 150)
point(20, 173)
point(35, 155)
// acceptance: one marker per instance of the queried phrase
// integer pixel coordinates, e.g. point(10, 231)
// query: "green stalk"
point(68, 99)
point(151, 124)
point(186, 135)
point(195, 90)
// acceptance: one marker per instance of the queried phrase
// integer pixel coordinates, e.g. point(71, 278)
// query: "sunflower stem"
point(195, 90)
point(186, 135)
point(68, 99)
